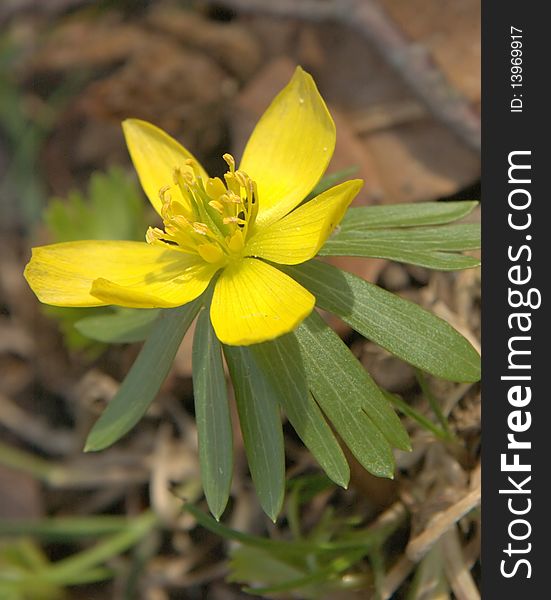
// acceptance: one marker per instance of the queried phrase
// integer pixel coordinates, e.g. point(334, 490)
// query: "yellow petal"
point(132, 274)
point(299, 236)
point(289, 148)
point(254, 302)
point(156, 155)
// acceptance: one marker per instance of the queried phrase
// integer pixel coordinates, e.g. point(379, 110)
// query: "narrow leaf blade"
point(407, 215)
point(349, 398)
point(454, 238)
point(146, 376)
point(443, 261)
point(282, 363)
point(212, 414)
point(125, 326)
point(402, 327)
point(261, 428)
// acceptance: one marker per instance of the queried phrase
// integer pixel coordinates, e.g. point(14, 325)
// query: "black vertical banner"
point(516, 396)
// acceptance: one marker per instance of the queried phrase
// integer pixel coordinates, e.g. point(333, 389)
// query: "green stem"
point(434, 404)
point(407, 410)
point(98, 554)
point(64, 528)
point(28, 463)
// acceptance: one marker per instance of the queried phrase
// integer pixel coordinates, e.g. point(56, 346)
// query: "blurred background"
point(402, 81)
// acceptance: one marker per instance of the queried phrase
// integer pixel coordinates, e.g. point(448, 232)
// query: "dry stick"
point(33, 429)
point(11, 9)
point(411, 61)
point(457, 571)
point(441, 523)
point(396, 577)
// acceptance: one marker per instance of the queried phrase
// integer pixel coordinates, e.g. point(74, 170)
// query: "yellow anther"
point(231, 182)
point(200, 228)
point(215, 188)
point(163, 196)
point(181, 220)
point(230, 161)
point(235, 242)
point(188, 178)
point(233, 220)
point(242, 178)
point(182, 178)
point(253, 203)
point(211, 253)
point(234, 198)
point(218, 206)
point(194, 167)
point(153, 234)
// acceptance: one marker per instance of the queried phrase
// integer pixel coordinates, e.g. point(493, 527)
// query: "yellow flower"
point(235, 228)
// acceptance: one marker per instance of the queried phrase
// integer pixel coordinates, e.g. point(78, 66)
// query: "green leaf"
point(297, 550)
point(124, 326)
point(442, 261)
point(65, 529)
point(281, 362)
point(261, 428)
point(431, 247)
point(402, 327)
point(406, 215)
point(350, 398)
point(112, 209)
point(67, 316)
point(454, 238)
point(212, 414)
point(250, 564)
point(145, 378)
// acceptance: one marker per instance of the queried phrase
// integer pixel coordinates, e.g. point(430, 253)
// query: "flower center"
point(209, 217)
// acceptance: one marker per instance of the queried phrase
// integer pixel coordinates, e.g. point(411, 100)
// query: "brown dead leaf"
point(451, 33)
point(408, 154)
point(21, 496)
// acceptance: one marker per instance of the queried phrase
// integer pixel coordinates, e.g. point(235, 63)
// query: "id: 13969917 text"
point(516, 105)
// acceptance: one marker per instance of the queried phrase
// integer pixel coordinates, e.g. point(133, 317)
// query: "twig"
point(440, 523)
point(395, 577)
point(411, 61)
point(11, 9)
point(457, 571)
point(33, 429)
point(76, 474)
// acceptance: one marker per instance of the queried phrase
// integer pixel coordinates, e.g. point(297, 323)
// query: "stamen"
point(232, 198)
point(231, 182)
point(242, 178)
point(230, 161)
point(194, 167)
point(163, 196)
point(211, 216)
point(218, 206)
point(200, 228)
point(236, 242)
point(153, 234)
point(233, 220)
point(212, 253)
point(215, 188)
